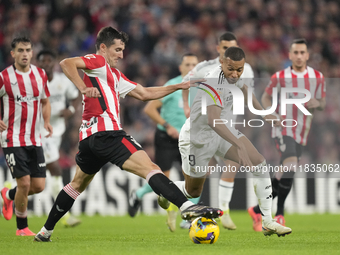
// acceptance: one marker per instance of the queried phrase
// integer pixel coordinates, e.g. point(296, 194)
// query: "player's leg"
point(262, 187)
point(225, 192)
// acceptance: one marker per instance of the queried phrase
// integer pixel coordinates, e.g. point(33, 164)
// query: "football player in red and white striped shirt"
point(290, 140)
point(102, 138)
point(24, 96)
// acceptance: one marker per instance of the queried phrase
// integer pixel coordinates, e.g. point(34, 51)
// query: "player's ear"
point(102, 47)
point(12, 53)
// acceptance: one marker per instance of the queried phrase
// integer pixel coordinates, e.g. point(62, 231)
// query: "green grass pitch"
point(312, 234)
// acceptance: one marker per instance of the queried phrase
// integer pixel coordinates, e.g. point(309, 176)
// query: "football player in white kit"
point(200, 137)
point(226, 184)
point(62, 90)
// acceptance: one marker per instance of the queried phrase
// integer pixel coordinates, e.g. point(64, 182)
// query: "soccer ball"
point(203, 230)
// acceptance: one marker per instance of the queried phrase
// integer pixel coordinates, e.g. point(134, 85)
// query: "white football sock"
point(225, 191)
point(181, 186)
point(263, 190)
point(57, 186)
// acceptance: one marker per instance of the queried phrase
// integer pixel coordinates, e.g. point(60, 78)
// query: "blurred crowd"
point(161, 31)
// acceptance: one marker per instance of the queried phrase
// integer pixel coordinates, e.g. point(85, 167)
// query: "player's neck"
point(50, 77)
point(299, 69)
point(22, 69)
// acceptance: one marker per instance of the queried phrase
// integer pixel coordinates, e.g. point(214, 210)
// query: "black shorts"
point(288, 147)
point(102, 147)
point(24, 161)
point(166, 150)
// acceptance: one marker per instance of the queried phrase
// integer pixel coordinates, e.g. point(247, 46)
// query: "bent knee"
point(38, 189)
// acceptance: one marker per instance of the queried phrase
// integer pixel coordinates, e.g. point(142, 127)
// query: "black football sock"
point(257, 209)
point(275, 187)
point(21, 218)
point(61, 206)
point(161, 185)
point(285, 186)
point(11, 193)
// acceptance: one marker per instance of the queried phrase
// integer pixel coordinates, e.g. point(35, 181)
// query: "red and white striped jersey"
point(311, 80)
point(102, 114)
point(20, 105)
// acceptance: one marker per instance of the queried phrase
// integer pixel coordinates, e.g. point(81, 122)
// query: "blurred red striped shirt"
point(21, 94)
point(311, 80)
point(102, 114)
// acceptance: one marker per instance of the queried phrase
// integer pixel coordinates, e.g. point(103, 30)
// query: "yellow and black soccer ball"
point(203, 230)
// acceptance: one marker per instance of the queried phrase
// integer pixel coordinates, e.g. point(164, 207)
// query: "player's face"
point(115, 52)
point(232, 69)
point(299, 55)
point(188, 63)
point(223, 46)
point(22, 55)
point(46, 62)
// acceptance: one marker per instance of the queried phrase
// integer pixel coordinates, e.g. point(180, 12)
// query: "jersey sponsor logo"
point(14, 83)
point(42, 164)
point(89, 56)
point(26, 99)
point(87, 124)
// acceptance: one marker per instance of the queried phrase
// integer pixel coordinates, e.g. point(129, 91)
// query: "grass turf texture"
point(312, 234)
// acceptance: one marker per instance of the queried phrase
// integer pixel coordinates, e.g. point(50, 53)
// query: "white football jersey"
point(214, 93)
point(61, 90)
point(203, 68)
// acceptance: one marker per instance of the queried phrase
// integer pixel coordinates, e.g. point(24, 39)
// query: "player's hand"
point(3, 126)
point(49, 129)
point(172, 132)
point(313, 103)
point(274, 119)
point(244, 159)
point(91, 92)
point(186, 109)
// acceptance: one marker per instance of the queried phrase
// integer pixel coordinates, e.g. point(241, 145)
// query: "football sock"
point(257, 209)
point(195, 200)
point(21, 219)
point(263, 190)
point(285, 186)
point(146, 188)
point(225, 191)
point(162, 186)
point(62, 205)
point(10, 194)
point(181, 186)
point(275, 187)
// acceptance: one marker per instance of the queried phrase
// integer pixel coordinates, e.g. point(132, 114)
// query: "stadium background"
point(160, 33)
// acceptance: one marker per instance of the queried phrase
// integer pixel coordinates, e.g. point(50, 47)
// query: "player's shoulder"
point(39, 70)
point(214, 73)
point(206, 64)
point(314, 71)
point(94, 59)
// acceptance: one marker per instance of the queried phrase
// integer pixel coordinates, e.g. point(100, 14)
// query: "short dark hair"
point(188, 55)
point(235, 53)
point(227, 36)
point(19, 39)
point(106, 35)
point(47, 52)
point(299, 41)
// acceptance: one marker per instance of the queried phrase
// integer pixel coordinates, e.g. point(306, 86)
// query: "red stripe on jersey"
point(45, 79)
point(11, 110)
point(283, 84)
point(23, 120)
point(272, 84)
point(92, 106)
point(307, 86)
point(93, 61)
point(110, 80)
point(114, 122)
point(295, 109)
point(34, 122)
point(101, 124)
point(34, 84)
point(124, 77)
point(320, 81)
point(128, 145)
point(88, 132)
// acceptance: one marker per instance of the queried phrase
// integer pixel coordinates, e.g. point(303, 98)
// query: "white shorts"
point(195, 158)
point(51, 148)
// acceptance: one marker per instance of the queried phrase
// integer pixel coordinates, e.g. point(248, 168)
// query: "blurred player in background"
point(62, 92)
point(101, 136)
point(24, 99)
point(169, 121)
point(226, 184)
point(290, 140)
point(200, 138)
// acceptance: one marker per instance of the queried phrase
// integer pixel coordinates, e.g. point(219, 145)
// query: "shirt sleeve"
point(321, 87)
point(125, 85)
point(93, 61)
point(274, 82)
point(45, 92)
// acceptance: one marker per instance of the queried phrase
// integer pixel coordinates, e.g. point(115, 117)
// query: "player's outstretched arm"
point(186, 107)
point(151, 109)
point(46, 113)
point(70, 68)
point(151, 93)
point(214, 121)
